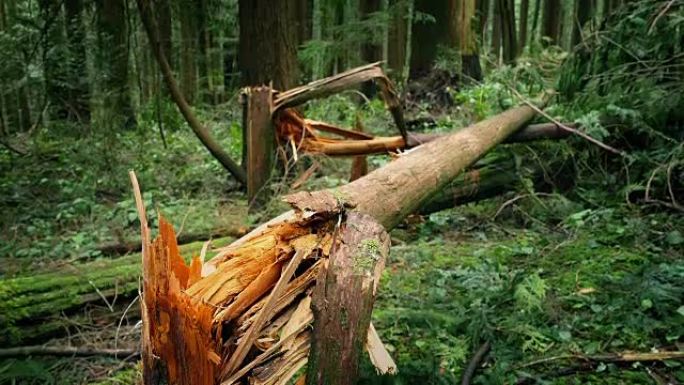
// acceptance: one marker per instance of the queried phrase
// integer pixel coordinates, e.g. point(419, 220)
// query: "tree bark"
point(535, 19)
point(202, 133)
point(268, 43)
point(552, 21)
point(261, 144)
point(522, 26)
point(342, 306)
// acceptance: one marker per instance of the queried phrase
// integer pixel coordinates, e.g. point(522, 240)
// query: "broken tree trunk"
point(292, 127)
point(248, 317)
point(260, 139)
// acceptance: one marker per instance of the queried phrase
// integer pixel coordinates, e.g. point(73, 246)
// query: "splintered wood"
point(246, 316)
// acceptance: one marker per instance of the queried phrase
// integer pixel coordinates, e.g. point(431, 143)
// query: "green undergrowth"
point(598, 282)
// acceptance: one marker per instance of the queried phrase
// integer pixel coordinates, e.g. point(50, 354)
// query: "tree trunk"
point(522, 27)
point(552, 21)
point(113, 49)
point(79, 87)
point(164, 20)
point(584, 11)
point(496, 30)
point(508, 34)
point(396, 57)
point(470, 57)
point(333, 238)
point(268, 43)
point(535, 19)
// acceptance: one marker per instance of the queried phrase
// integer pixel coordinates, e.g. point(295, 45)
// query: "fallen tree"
point(30, 307)
point(246, 314)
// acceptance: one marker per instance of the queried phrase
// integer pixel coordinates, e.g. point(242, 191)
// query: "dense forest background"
point(577, 251)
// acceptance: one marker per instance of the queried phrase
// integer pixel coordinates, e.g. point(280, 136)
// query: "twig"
point(612, 357)
point(475, 362)
point(109, 305)
point(67, 351)
point(118, 327)
point(566, 128)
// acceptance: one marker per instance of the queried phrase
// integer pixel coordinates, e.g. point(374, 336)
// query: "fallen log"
point(246, 314)
point(67, 351)
point(32, 308)
point(484, 182)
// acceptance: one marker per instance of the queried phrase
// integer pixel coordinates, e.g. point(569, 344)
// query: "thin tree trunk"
point(114, 61)
point(164, 18)
point(397, 38)
point(508, 34)
point(79, 87)
point(496, 30)
point(470, 57)
point(535, 19)
point(522, 26)
point(552, 21)
point(268, 43)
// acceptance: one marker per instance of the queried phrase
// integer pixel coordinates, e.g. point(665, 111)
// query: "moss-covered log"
point(31, 306)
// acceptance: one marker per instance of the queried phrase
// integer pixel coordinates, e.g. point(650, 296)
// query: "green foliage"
point(623, 85)
point(604, 281)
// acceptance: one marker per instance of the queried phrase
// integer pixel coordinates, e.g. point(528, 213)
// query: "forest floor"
point(538, 276)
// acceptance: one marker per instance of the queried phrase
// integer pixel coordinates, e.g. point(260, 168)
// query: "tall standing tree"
point(552, 21)
point(268, 43)
point(468, 48)
point(522, 26)
point(496, 29)
point(535, 19)
point(78, 97)
point(584, 11)
point(397, 37)
point(508, 35)
point(113, 61)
